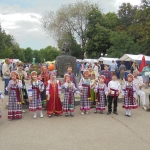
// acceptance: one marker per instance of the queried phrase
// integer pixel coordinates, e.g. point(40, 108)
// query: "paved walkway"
point(81, 132)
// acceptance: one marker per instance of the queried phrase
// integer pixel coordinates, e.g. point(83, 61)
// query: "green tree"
point(122, 44)
point(28, 53)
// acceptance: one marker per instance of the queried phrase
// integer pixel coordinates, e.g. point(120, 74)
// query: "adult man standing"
point(138, 82)
point(6, 74)
point(113, 67)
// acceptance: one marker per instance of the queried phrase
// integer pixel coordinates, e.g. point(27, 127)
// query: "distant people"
point(138, 82)
point(102, 66)
point(0, 69)
point(6, 74)
point(113, 67)
point(135, 66)
point(95, 68)
point(122, 70)
point(145, 75)
point(86, 65)
point(82, 68)
point(78, 66)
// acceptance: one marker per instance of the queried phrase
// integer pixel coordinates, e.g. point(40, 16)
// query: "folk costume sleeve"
point(41, 85)
point(30, 90)
point(48, 87)
point(59, 87)
point(106, 89)
point(75, 89)
point(96, 88)
point(19, 84)
point(80, 84)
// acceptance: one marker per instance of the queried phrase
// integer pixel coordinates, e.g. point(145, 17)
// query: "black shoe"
point(129, 115)
point(126, 115)
point(50, 116)
point(57, 115)
point(115, 113)
point(108, 113)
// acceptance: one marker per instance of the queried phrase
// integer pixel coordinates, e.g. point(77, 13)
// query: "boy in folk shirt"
point(114, 89)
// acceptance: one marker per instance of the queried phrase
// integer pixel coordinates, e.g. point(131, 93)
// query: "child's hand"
point(109, 91)
point(122, 96)
point(48, 97)
point(30, 98)
point(2, 99)
point(41, 90)
point(81, 94)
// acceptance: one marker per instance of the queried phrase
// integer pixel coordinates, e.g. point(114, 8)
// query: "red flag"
point(143, 64)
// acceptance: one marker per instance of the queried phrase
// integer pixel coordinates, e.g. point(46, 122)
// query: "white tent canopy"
point(107, 60)
point(129, 57)
point(90, 60)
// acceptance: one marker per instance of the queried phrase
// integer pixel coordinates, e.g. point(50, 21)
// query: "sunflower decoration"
point(36, 68)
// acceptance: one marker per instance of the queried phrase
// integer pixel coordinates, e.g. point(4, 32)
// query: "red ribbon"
point(115, 93)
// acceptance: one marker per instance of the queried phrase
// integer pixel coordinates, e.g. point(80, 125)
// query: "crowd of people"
point(97, 87)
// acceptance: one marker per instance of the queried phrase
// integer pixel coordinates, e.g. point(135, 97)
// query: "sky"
point(21, 18)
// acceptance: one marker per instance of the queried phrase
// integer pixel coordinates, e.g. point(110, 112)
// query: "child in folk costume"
point(44, 79)
point(34, 90)
point(14, 101)
point(22, 75)
point(93, 81)
point(84, 86)
point(101, 90)
point(53, 91)
point(70, 89)
point(129, 95)
point(1, 98)
point(114, 89)
point(72, 76)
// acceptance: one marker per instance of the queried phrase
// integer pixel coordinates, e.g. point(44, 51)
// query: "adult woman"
point(145, 76)
point(135, 66)
point(122, 70)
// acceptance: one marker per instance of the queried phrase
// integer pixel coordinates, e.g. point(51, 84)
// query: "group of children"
point(90, 90)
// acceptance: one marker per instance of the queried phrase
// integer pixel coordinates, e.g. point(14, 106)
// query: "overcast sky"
point(21, 18)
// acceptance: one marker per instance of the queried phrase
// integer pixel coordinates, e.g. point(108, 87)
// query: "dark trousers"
point(110, 100)
point(6, 84)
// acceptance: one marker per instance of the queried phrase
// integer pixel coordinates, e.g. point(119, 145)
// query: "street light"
point(101, 54)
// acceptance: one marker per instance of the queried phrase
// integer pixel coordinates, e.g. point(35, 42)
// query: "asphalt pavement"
point(81, 132)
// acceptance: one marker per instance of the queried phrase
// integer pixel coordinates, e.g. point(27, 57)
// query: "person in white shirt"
point(96, 71)
point(138, 83)
point(114, 89)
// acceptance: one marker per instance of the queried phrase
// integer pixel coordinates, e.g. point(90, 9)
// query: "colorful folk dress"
point(34, 92)
point(129, 93)
point(84, 86)
point(1, 97)
point(92, 78)
point(44, 79)
point(54, 105)
point(101, 90)
point(24, 96)
point(70, 89)
point(14, 101)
